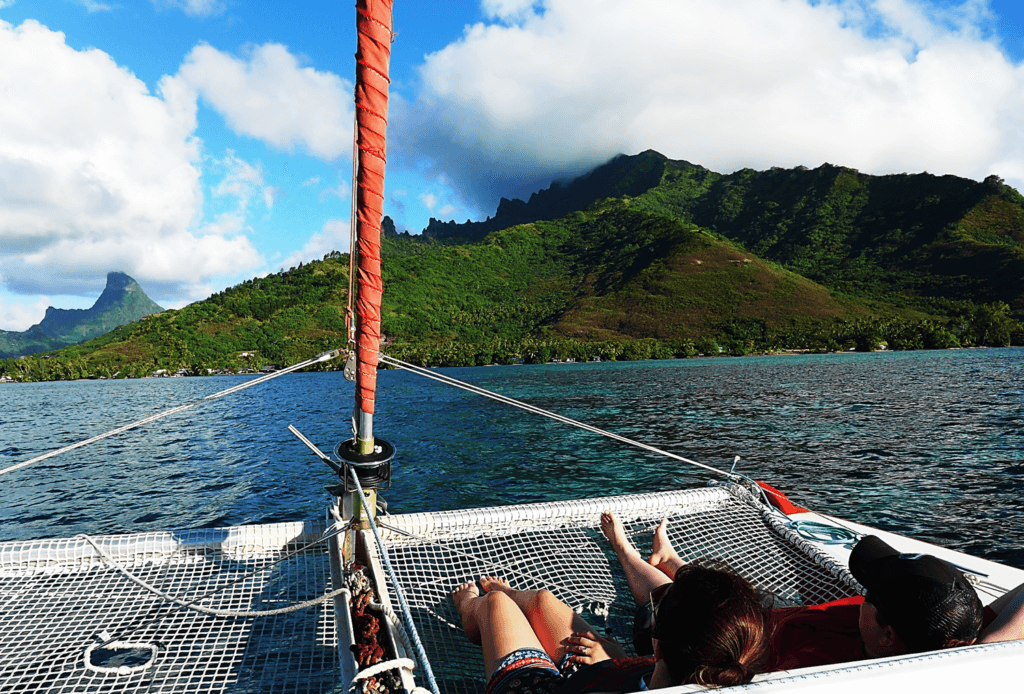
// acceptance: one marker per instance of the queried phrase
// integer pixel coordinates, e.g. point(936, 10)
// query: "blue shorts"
point(529, 671)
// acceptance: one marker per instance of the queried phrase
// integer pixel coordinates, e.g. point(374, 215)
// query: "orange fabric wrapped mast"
point(373, 23)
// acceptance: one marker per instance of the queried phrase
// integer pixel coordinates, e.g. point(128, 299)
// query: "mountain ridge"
point(655, 261)
point(122, 301)
point(924, 237)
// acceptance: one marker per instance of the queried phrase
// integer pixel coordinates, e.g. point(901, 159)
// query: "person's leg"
point(552, 621)
point(641, 576)
point(663, 555)
point(495, 622)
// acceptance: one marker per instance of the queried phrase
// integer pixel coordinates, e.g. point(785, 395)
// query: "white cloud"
point(97, 174)
point(273, 194)
point(312, 181)
point(21, 316)
point(269, 96)
point(508, 10)
point(429, 200)
point(880, 85)
point(334, 236)
point(342, 191)
point(93, 6)
point(194, 8)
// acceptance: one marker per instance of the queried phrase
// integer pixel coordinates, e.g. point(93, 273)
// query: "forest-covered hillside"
point(655, 258)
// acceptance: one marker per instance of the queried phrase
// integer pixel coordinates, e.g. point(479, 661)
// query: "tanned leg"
point(641, 576)
point(495, 622)
point(552, 620)
point(664, 556)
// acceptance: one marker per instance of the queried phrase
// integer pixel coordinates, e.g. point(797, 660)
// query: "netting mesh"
point(56, 596)
point(560, 547)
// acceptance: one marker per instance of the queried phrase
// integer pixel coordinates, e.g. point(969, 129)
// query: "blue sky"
point(197, 143)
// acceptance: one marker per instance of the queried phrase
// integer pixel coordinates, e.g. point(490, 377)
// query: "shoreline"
point(5, 380)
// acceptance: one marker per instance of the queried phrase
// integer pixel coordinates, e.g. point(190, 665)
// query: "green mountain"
point(920, 238)
point(925, 236)
point(121, 302)
point(644, 257)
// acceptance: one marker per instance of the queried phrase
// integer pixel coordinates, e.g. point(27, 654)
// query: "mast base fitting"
point(373, 469)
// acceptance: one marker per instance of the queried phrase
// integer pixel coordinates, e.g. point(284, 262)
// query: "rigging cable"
point(546, 413)
point(324, 356)
point(421, 654)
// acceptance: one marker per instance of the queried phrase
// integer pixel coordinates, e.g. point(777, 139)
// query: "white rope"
point(399, 663)
point(396, 624)
point(448, 380)
point(122, 670)
point(384, 666)
point(326, 356)
point(207, 610)
point(421, 654)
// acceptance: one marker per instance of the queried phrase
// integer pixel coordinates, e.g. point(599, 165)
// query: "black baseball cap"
point(927, 601)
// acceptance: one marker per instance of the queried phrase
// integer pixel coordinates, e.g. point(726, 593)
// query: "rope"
point(396, 623)
point(325, 356)
point(353, 248)
point(448, 380)
point(421, 654)
point(207, 610)
point(373, 670)
point(122, 670)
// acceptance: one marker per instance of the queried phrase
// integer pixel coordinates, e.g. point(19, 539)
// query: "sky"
point(194, 144)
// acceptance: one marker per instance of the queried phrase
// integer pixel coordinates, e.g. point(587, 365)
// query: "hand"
point(586, 647)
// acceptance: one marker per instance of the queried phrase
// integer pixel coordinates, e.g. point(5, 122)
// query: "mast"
point(373, 55)
point(365, 455)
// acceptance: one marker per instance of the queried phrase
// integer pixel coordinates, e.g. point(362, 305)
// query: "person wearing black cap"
point(914, 602)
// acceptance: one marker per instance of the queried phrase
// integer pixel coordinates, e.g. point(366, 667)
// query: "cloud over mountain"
point(97, 172)
point(550, 88)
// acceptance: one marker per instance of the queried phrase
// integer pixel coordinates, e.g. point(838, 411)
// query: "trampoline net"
point(57, 595)
point(560, 547)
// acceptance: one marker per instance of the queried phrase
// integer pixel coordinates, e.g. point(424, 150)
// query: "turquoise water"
point(929, 444)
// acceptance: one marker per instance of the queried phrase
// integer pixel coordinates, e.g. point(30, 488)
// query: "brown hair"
point(710, 626)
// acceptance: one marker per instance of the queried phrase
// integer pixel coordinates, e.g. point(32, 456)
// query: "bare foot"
point(494, 583)
point(612, 528)
point(463, 597)
point(664, 555)
point(464, 593)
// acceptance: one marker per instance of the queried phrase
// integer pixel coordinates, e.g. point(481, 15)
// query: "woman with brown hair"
point(708, 629)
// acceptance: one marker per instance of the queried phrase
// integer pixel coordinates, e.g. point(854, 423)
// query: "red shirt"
point(815, 635)
point(821, 634)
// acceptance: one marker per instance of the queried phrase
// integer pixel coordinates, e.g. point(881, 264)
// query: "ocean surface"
point(928, 444)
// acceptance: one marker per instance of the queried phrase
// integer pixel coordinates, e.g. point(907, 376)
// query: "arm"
point(588, 647)
point(1009, 622)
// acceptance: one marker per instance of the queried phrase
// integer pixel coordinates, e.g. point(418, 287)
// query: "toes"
point(464, 592)
point(490, 583)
